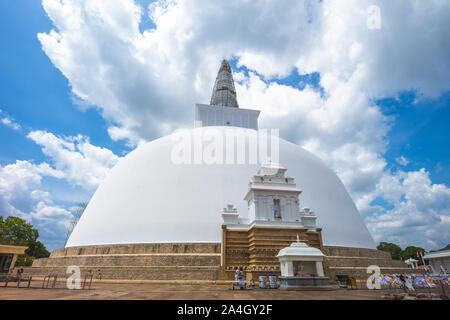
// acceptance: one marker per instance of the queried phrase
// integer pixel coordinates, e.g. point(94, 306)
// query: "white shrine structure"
point(273, 218)
point(272, 200)
point(302, 268)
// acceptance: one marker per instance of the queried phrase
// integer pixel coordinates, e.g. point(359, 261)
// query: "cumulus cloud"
point(345, 130)
point(419, 213)
point(146, 83)
point(406, 53)
point(78, 161)
point(20, 196)
point(73, 159)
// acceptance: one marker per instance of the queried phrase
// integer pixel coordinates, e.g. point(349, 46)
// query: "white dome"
point(147, 198)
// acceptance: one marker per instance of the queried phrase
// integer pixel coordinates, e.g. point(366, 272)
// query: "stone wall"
point(138, 273)
point(169, 259)
point(354, 262)
point(255, 251)
point(149, 261)
point(139, 248)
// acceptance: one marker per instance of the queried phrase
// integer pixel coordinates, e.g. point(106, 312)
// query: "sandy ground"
point(161, 291)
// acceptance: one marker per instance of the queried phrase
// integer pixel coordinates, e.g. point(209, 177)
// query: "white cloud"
point(74, 159)
point(345, 129)
point(408, 52)
point(146, 84)
point(402, 161)
point(9, 122)
point(79, 162)
point(419, 213)
point(20, 196)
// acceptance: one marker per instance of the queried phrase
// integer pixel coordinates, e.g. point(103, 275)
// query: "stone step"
point(131, 260)
point(363, 262)
point(333, 251)
point(137, 273)
point(138, 248)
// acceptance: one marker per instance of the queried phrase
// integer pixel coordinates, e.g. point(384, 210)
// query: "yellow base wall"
point(255, 250)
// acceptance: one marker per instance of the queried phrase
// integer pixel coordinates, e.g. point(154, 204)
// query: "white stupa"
point(150, 197)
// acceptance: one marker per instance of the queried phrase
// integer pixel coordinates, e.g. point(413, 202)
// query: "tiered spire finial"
point(224, 93)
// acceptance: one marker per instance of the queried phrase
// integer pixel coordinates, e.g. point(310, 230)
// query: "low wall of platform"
point(144, 261)
point(354, 262)
point(138, 248)
point(138, 273)
point(194, 261)
point(140, 260)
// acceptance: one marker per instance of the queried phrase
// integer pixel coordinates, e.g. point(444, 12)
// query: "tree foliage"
point(411, 252)
point(398, 254)
point(76, 216)
point(392, 248)
point(18, 232)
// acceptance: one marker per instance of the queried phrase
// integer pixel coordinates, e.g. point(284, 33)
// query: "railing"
point(7, 278)
point(50, 280)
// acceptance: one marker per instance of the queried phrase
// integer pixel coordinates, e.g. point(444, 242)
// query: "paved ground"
point(150, 291)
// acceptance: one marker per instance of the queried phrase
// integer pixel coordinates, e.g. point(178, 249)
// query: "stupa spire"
point(224, 93)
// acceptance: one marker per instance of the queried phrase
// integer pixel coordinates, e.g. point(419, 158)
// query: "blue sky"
point(34, 92)
point(420, 133)
point(58, 107)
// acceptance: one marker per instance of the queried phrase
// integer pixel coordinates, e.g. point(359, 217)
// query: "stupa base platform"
point(354, 262)
point(171, 262)
point(144, 261)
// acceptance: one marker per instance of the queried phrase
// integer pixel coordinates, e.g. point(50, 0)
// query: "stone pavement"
point(164, 291)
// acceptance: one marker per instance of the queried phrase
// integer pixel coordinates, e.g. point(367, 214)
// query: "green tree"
point(37, 250)
point(411, 252)
point(24, 260)
point(392, 248)
point(16, 231)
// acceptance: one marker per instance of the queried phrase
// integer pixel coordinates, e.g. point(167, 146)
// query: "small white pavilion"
point(302, 267)
point(412, 263)
point(301, 260)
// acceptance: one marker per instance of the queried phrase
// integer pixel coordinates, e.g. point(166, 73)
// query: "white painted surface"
point(268, 185)
point(319, 269)
point(207, 116)
point(300, 254)
point(146, 198)
point(439, 260)
point(300, 251)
